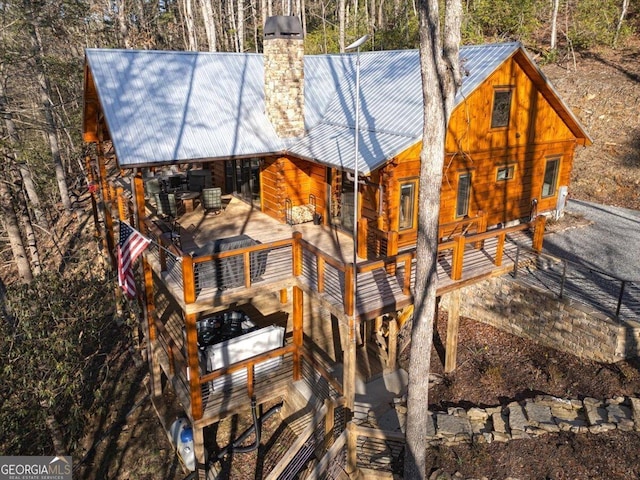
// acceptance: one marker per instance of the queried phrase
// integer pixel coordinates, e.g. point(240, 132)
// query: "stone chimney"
point(284, 75)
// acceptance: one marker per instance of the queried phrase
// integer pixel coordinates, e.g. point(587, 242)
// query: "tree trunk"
point(189, 23)
point(303, 18)
point(123, 24)
point(234, 26)
point(341, 28)
point(47, 105)
point(240, 26)
point(264, 11)
point(623, 14)
point(25, 173)
point(10, 225)
point(438, 82)
point(209, 24)
point(554, 24)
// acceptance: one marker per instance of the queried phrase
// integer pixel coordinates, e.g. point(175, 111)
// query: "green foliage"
point(593, 22)
point(53, 337)
point(501, 19)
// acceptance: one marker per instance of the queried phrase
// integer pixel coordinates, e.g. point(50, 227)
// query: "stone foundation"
point(563, 324)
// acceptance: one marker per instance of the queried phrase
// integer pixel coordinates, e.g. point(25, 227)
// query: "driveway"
point(611, 243)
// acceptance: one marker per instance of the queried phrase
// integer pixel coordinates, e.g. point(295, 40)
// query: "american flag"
point(131, 244)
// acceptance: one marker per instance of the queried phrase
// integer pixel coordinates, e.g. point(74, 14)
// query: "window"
point(550, 177)
point(501, 108)
point(505, 173)
point(408, 201)
point(464, 192)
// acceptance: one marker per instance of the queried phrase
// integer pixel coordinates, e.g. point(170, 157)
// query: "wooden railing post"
point(363, 230)
point(406, 281)
point(500, 248)
point(457, 259)
point(188, 279)
point(352, 447)
point(482, 227)
point(320, 265)
point(392, 243)
point(246, 260)
point(296, 251)
point(122, 207)
point(298, 315)
point(349, 272)
point(538, 232)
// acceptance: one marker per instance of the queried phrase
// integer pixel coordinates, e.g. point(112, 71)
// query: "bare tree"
point(14, 146)
point(44, 88)
point(440, 72)
point(10, 225)
point(240, 25)
point(123, 23)
point(190, 26)
point(341, 20)
point(209, 24)
point(554, 24)
point(623, 14)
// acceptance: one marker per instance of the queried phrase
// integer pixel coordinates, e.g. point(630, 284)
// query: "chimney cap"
point(282, 26)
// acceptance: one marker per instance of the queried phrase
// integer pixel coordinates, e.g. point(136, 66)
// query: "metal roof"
point(163, 107)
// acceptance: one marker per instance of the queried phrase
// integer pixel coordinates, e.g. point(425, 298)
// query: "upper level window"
point(505, 173)
point(550, 177)
point(408, 205)
point(501, 107)
point(464, 193)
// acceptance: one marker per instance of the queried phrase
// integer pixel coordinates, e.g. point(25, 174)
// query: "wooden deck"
point(325, 260)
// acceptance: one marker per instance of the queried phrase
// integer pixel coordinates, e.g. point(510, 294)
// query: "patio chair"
point(168, 208)
point(211, 199)
point(152, 187)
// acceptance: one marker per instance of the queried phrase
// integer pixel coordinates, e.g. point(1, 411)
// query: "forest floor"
point(494, 368)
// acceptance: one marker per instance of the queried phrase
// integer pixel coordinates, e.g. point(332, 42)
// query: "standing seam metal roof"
point(165, 107)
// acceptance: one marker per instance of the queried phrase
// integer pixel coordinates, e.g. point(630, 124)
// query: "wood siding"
point(285, 178)
point(535, 133)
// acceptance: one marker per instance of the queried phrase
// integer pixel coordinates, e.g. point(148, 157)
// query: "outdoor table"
point(188, 199)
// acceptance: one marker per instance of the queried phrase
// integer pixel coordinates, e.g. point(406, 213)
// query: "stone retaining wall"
point(564, 324)
point(531, 418)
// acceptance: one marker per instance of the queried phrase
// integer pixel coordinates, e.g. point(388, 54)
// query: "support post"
point(283, 296)
point(363, 227)
point(106, 210)
point(297, 254)
point(457, 260)
point(193, 366)
point(352, 453)
point(329, 422)
point(393, 344)
point(453, 324)
point(298, 315)
point(500, 248)
point(93, 191)
point(538, 232)
point(188, 281)
point(198, 450)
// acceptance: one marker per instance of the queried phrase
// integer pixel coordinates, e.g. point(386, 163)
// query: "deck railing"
point(614, 296)
point(313, 268)
point(477, 224)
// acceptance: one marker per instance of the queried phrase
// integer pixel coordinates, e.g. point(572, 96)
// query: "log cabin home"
point(274, 135)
